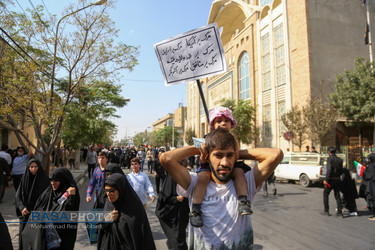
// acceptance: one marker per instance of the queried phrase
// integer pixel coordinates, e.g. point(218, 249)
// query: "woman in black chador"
point(62, 183)
point(349, 191)
point(33, 183)
point(108, 171)
point(129, 227)
point(172, 211)
point(369, 176)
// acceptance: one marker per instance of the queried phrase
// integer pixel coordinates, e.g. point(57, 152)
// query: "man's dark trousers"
point(336, 186)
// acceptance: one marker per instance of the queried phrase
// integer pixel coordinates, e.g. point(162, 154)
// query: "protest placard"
point(191, 55)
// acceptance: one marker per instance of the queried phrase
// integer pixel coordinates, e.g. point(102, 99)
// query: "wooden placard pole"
point(203, 100)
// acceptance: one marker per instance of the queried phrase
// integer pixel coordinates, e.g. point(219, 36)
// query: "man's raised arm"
point(268, 159)
point(170, 161)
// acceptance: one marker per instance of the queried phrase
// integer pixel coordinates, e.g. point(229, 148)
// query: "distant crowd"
point(216, 198)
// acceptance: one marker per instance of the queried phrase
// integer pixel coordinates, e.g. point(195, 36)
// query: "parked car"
point(307, 168)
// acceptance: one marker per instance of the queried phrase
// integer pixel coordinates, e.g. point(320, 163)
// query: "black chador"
point(35, 238)
point(29, 190)
point(131, 230)
point(173, 215)
point(5, 240)
point(109, 170)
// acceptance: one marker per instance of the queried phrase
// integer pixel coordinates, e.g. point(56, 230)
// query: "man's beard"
point(223, 179)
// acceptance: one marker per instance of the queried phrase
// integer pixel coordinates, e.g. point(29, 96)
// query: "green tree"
point(320, 118)
point(86, 119)
point(138, 139)
point(294, 122)
point(190, 133)
point(243, 112)
point(164, 136)
point(86, 53)
point(355, 94)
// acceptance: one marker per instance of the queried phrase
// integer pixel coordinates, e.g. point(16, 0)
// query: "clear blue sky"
point(144, 23)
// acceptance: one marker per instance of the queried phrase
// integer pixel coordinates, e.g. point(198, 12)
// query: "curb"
point(79, 177)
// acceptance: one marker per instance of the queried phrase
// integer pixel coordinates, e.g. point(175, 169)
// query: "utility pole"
point(370, 51)
point(173, 133)
point(369, 32)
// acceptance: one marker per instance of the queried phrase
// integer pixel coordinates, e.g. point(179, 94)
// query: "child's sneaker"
point(196, 218)
point(244, 207)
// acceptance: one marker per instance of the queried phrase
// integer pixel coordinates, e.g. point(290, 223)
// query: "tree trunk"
point(47, 161)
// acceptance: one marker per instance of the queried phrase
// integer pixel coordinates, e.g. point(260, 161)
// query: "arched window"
point(244, 76)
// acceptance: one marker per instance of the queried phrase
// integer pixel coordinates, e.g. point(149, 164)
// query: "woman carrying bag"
point(61, 195)
point(33, 183)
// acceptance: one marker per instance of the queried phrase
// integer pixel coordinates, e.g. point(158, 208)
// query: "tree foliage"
point(294, 122)
point(86, 119)
point(138, 139)
point(190, 133)
point(243, 112)
point(164, 137)
point(86, 54)
point(319, 118)
point(355, 93)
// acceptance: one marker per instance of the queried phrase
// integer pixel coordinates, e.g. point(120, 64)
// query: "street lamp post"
point(371, 58)
point(98, 2)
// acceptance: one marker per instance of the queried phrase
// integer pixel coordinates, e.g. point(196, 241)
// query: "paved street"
point(289, 220)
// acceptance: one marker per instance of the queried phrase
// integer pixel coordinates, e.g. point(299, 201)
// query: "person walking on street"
point(141, 155)
point(159, 173)
point(224, 227)
point(67, 154)
point(5, 155)
point(92, 161)
point(84, 155)
point(140, 182)
point(150, 160)
point(62, 185)
point(98, 176)
point(5, 240)
point(156, 152)
point(270, 181)
point(112, 168)
point(20, 165)
point(33, 183)
point(5, 169)
point(332, 181)
point(128, 226)
point(72, 158)
point(349, 191)
point(220, 117)
point(172, 211)
point(369, 176)
point(132, 154)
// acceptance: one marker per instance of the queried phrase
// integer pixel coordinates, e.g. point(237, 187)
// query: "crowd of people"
point(220, 190)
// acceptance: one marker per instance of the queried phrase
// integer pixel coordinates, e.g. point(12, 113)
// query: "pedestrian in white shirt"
point(140, 182)
point(223, 227)
point(4, 154)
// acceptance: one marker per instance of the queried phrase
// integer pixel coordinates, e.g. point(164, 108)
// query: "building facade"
point(280, 54)
point(8, 137)
point(166, 121)
point(176, 120)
